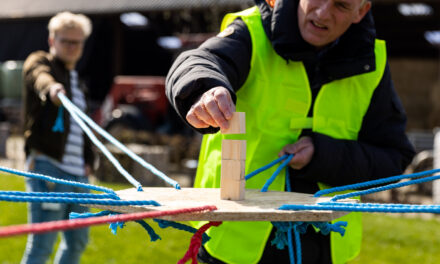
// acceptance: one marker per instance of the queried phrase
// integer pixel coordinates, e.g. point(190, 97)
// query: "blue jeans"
point(40, 246)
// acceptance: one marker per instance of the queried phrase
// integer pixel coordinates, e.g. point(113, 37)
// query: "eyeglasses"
point(70, 42)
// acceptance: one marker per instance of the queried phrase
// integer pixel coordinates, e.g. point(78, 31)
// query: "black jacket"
point(382, 148)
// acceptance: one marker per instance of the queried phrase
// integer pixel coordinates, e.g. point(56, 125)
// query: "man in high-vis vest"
point(314, 81)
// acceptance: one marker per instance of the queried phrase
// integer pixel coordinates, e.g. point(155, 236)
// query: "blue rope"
point(297, 243)
point(290, 247)
point(61, 194)
point(374, 182)
point(165, 223)
point(74, 215)
point(373, 208)
point(59, 122)
point(255, 172)
point(93, 138)
point(283, 235)
point(55, 180)
point(114, 226)
point(275, 174)
point(13, 198)
point(288, 186)
point(150, 230)
point(383, 188)
point(75, 110)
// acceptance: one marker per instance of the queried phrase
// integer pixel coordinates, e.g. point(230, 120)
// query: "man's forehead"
point(74, 32)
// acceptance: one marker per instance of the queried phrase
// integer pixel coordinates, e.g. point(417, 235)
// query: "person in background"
point(55, 148)
point(313, 81)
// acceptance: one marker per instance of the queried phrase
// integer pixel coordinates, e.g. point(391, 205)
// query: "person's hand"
point(54, 90)
point(87, 170)
point(303, 150)
point(214, 108)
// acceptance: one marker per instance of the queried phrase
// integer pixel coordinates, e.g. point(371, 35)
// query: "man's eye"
point(343, 6)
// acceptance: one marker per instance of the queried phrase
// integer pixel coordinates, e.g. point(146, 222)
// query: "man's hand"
point(87, 170)
point(214, 108)
point(303, 150)
point(54, 90)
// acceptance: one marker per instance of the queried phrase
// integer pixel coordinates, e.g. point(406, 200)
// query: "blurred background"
point(134, 43)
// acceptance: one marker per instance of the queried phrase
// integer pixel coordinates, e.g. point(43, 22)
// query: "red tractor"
point(134, 102)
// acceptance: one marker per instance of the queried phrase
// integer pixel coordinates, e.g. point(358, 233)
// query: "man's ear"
point(50, 41)
point(362, 12)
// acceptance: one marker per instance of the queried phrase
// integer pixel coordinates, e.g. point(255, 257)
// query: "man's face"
point(323, 21)
point(67, 45)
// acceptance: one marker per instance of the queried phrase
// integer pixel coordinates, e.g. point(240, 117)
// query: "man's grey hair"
point(68, 20)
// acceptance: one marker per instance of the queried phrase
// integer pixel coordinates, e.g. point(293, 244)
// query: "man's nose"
point(323, 11)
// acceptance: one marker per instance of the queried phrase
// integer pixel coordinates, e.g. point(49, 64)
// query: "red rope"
point(78, 223)
point(196, 243)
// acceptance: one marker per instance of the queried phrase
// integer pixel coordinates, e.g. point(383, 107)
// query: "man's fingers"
point(214, 108)
point(303, 150)
point(202, 114)
point(192, 119)
point(224, 102)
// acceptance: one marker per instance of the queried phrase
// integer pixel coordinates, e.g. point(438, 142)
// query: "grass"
point(387, 239)
point(130, 245)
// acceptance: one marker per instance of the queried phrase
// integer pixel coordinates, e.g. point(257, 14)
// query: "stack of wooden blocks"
point(232, 183)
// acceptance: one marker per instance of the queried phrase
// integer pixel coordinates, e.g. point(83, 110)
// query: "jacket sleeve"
point(220, 61)
point(36, 74)
point(382, 148)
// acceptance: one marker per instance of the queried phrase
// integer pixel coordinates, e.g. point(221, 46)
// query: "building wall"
point(417, 83)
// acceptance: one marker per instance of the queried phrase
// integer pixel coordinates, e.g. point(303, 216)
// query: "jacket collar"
point(351, 54)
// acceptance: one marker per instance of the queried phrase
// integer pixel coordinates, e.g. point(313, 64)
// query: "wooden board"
point(257, 206)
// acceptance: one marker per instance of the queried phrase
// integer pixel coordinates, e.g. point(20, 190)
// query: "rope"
point(79, 223)
point(76, 111)
point(374, 182)
point(373, 208)
point(93, 138)
point(383, 188)
point(59, 122)
point(55, 180)
point(196, 243)
point(283, 235)
point(13, 198)
point(275, 174)
point(287, 158)
point(255, 172)
point(114, 226)
point(165, 223)
point(61, 194)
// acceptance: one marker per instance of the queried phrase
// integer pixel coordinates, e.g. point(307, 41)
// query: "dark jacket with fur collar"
point(382, 148)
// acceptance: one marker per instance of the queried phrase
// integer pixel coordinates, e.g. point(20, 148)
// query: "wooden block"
point(233, 169)
point(233, 149)
point(237, 124)
point(231, 189)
